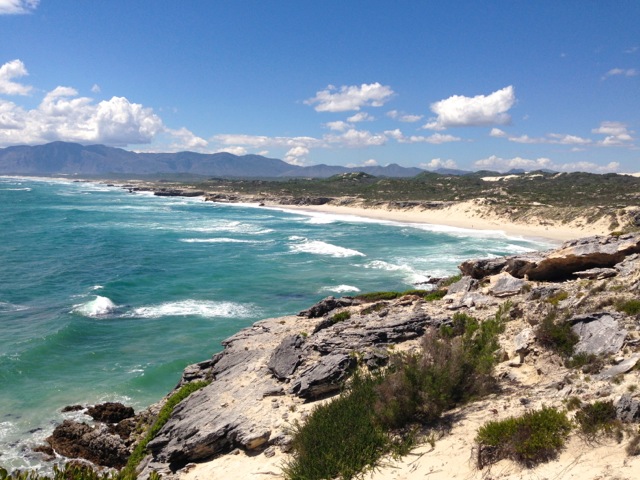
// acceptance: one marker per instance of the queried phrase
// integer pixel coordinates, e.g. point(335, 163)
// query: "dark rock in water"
point(110, 412)
point(286, 357)
point(72, 408)
point(326, 305)
point(598, 332)
point(45, 449)
point(96, 444)
point(324, 377)
point(628, 409)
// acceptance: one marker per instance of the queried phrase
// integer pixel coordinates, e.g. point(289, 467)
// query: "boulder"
point(623, 367)
point(505, 285)
point(599, 333)
point(325, 306)
point(286, 357)
point(110, 412)
point(326, 376)
point(597, 273)
point(79, 440)
point(628, 409)
point(484, 267)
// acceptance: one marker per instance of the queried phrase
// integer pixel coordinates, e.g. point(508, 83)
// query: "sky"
point(473, 85)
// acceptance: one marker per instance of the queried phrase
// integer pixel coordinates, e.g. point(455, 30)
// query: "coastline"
point(463, 215)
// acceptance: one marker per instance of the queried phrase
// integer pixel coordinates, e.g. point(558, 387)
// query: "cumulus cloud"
point(186, 140)
point(9, 71)
point(436, 163)
point(617, 134)
point(504, 164)
point(396, 115)
point(360, 117)
point(436, 138)
point(296, 155)
point(16, 7)
point(338, 126)
point(349, 98)
point(234, 150)
point(461, 111)
point(621, 72)
point(357, 138)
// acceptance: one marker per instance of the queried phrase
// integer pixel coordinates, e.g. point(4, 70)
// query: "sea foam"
point(340, 289)
point(318, 247)
point(98, 307)
point(207, 309)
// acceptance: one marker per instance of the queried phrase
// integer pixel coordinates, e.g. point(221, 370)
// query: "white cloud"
point(295, 156)
point(504, 164)
point(360, 117)
point(436, 163)
point(617, 134)
point(63, 115)
point(186, 140)
point(357, 138)
point(617, 72)
point(550, 138)
point(95, 88)
point(352, 97)
point(371, 163)
point(261, 141)
point(496, 132)
point(234, 150)
point(461, 111)
point(338, 126)
point(15, 7)
point(396, 115)
point(9, 71)
point(436, 138)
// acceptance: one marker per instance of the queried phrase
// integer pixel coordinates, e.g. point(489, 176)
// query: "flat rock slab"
point(599, 333)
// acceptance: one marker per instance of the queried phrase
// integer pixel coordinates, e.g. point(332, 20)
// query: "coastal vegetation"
point(382, 412)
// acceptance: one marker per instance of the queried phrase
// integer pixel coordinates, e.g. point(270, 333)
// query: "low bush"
point(533, 438)
point(633, 447)
point(340, 317)
point(598, 419)
point(340, 438)
point(557, 297)
point(586, 362)
point(71, 472)
point(630, 307)
point(445, 282)
point(556, 336)
point(435, 295)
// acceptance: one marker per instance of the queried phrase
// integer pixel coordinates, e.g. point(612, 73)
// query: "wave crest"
point(207, 309)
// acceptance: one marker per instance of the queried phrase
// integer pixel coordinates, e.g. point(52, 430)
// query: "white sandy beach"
point(468, 215)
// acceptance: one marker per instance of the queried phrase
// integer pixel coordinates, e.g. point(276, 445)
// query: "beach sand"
point(467, 215)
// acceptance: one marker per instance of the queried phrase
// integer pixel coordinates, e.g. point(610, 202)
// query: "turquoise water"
point(107, 296)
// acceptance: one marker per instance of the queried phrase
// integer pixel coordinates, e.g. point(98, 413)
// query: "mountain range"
point(64, 158)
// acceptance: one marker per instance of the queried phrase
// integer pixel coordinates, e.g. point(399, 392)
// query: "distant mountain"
point(451, 171)
point(73, 158)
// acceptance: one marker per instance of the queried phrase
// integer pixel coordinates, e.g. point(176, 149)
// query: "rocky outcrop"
point(110, 412)
point(327, 305)
point(599, 333)
point(574, 256)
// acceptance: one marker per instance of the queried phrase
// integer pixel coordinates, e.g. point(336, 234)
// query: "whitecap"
point(207, 309)
point(411, 275)
point(317, 247)
point(98, 307)
point(11, 307)
point(340, 289)
point(218, 240)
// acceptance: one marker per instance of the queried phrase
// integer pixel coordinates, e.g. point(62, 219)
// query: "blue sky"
point(464, 84)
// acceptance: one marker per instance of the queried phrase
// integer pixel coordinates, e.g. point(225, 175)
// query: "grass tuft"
point(533, 438)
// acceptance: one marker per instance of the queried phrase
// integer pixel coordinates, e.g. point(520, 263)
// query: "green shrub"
point(340, 317)
point(450, 280)
point(140, 449)
point(535, 437)
point(586, 362)
point(598, 419)
point(630, 307)
point(454, 366)
point(340, 438)
point(435, 295)
point(556, 336)
point(377, 296)
point(556, 298)
point(633, 447)
point(71, 472)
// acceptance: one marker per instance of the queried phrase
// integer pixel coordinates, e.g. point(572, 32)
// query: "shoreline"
point(463, 215)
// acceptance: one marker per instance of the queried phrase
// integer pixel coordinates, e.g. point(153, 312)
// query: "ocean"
point(107, 295)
